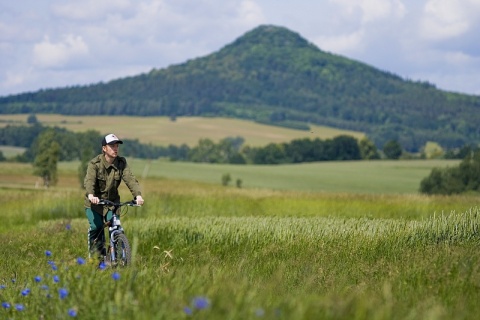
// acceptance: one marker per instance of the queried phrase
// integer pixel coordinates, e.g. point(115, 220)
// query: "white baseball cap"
point(111, 139)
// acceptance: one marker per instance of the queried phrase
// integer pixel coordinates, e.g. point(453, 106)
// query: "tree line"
point(82, 145)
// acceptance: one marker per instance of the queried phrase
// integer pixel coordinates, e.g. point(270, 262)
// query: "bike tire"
point(123, 252)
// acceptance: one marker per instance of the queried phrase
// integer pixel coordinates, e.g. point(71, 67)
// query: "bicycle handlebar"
point(131, 203)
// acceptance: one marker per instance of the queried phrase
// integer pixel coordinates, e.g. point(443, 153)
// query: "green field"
point(205, 251)
point(371, 177)
point(10, 152)
point(343, 176)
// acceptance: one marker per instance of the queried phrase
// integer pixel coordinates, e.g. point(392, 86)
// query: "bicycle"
point(119, 252)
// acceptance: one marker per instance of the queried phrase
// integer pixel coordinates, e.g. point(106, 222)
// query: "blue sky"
point(58, 43)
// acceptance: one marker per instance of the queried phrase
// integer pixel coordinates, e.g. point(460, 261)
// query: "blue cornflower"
point(37, 279)
point(68, 226)
point(188, 311)
point(53, 265)
point(25, 292)
point(116, 276)
point(6, 305)
point(102, 265)
point(56, 279)
point(72, 312)
point(200, 303)
point(63, 293)
point(48, 253)
point(80, 261)
point(3, 286)
point(44, 287)
point(19, 307)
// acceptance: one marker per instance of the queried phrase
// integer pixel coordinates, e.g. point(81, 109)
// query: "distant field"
point(188, 130)
point(374, 177)
point(9, 151)
point(346, 176)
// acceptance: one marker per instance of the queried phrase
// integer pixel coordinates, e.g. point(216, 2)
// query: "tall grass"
point(208, 252)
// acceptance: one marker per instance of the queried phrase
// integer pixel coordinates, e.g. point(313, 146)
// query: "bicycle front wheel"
point(123, 253)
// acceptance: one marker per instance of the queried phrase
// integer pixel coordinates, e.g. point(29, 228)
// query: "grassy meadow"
point(205, 251)
point(333, 240)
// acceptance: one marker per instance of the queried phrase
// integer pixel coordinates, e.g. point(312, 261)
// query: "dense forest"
point(273, 75)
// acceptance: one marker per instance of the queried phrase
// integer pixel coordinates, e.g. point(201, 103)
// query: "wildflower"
point(53, 265)
point(116, 276)
point(48, 253)
point(72, 312)
point(102, 265)
point(63, 293)
point(56, 279)
point(68, 226)
point(19, 307)
point(37, 279)
point(6, 305)
point(44, 287)
point(259, 312)
point(3, 286)
point(80, 261)
point(188, 311)
point(25, 292)
point(200, 303)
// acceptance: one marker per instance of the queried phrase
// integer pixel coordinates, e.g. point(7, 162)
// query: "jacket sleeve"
point(90, 178)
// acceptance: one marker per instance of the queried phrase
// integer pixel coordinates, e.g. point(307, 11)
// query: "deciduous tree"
point(45, 163)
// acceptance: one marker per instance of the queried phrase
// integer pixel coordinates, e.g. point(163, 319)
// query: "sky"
point(60, 43)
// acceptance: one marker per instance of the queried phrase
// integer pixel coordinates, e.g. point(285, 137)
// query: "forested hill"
point(273, 75)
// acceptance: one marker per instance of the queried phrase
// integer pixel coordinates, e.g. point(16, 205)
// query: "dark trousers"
point(96, 233)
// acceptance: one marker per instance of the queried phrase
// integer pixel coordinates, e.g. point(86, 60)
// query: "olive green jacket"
point(103, 179)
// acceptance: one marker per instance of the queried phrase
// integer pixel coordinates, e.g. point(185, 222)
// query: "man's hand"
point(139, 200)
point(93, 199)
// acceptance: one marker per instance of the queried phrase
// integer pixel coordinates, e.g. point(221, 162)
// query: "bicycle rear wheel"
point(123, 253)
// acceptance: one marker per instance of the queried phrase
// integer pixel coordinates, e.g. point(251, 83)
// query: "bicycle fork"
point(113, 245)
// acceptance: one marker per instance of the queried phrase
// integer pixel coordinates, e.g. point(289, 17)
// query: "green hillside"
point(273, 75)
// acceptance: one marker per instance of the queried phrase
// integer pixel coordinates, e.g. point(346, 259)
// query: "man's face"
point(111, 150)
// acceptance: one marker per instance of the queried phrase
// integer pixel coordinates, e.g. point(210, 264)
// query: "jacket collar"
point(107, 165)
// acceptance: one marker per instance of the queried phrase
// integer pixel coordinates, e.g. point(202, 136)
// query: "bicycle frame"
point(113, 230)
point(119, 248)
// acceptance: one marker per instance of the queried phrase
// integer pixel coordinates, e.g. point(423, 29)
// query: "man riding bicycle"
point(104, 175)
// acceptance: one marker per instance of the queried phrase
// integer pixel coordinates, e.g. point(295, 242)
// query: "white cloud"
point(250, 13)
point(89, 9)
point(52, 55)
point(359, 24)
point(373, 10)
point(343, 43)
point(13, 79)
point(444, 19)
